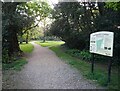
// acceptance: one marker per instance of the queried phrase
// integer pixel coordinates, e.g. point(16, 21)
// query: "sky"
point(52, 2)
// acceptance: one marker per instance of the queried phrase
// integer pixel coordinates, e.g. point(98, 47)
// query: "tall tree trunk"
point(10, 39)
point(27, 38)
point(21, 38)
point(13, 43)
point(44, 31)
point(44, 39)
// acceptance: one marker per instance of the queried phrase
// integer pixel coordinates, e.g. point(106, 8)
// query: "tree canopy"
point(17, 19)
point(73, 22)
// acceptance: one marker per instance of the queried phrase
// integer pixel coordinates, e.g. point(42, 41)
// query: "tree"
point(17, 17)
point(37, 10)
point(10, 28)
point(46, 24)
point(73, 23)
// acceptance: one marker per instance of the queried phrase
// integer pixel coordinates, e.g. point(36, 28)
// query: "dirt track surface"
point(46, 71)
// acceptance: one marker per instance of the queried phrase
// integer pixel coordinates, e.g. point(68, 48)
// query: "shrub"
point(5, 57)
point(85, 55)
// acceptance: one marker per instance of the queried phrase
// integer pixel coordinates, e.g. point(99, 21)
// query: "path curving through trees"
point(46, 71)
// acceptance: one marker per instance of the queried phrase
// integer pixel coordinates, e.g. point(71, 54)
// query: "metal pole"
point(92, 69)
point(109, 71)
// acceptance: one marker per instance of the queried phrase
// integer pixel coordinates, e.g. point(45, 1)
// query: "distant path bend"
point(46, 71)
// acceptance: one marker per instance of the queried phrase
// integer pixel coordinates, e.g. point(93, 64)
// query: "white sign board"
point(102, 43)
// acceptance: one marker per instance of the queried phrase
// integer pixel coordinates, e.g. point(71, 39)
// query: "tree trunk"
point(10, 39)
point(44, 31)
point(43, 39)
point(13, 42)
point(21, 39)
point(27, 38)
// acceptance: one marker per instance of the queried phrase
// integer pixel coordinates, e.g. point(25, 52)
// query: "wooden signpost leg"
point(109, 71)
point(92, 69)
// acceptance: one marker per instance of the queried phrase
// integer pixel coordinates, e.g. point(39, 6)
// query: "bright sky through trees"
point(52, 2)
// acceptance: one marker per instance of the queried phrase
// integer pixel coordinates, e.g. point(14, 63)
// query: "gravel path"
point(46, 71)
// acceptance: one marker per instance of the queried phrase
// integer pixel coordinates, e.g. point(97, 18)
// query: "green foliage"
point(73, 23)
point(87, 56)
point(113, 5)
point(84, 55)
point(36, 33)
point(27, 48)
point(36, 11)
point(16, 62)
point(12, 23)
point(17, 19)
point(15, 65)
point(9, 27)
point(5, 57)
point(23, 38)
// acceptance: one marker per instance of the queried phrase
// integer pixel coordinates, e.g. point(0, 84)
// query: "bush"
point(9, 59)
point(84, 55)
point(5, 57)
point(73, 52)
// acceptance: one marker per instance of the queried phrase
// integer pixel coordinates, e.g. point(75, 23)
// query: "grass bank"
point(100, 73)
point(18, 62)
point(50, 43)
point(27, 48)
point(16, 65)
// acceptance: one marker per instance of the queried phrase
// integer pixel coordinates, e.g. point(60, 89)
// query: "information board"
point(102, 43)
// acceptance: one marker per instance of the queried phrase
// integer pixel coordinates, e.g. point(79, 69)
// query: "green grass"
point(100, 73)
point(50, 43)
point(27, 48)
point(16, 65)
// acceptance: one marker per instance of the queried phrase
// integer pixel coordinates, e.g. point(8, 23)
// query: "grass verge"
point(100, 73)
point(50, 43)
point(18, 63)
point(27, 48)
point(15, 65)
